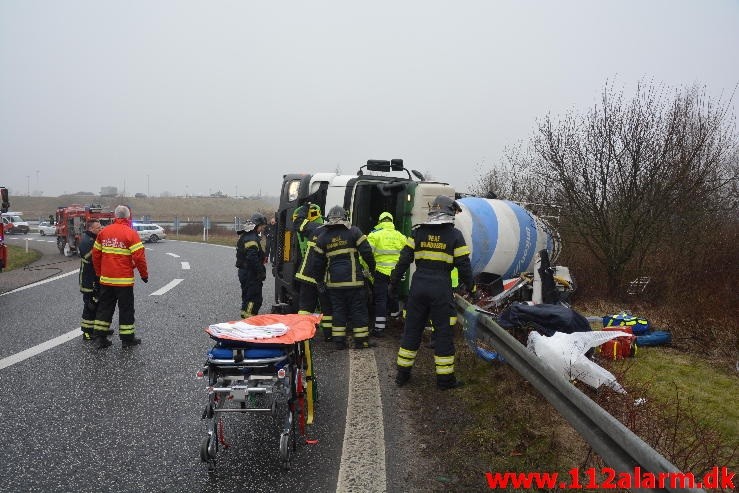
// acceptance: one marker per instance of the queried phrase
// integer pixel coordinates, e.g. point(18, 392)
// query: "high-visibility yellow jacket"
point(386, 242)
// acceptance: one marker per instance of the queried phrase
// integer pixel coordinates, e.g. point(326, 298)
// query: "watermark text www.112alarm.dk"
point(608, 478)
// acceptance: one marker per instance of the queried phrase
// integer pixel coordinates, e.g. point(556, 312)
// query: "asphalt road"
point(79, 419)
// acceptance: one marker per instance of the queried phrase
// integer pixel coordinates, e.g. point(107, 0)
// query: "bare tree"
point(628, 169)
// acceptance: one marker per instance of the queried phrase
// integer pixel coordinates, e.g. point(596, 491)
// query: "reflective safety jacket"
point(250, 256)
point(311, 230)
point(386, 243)
point(436, 250)
point(337, 253)
point(87, 276)
point(116, 252)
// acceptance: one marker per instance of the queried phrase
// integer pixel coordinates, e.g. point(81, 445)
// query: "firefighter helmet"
point(309, 211)
point(442, 210)
point(314, 212)
point(258, 219)
point(337, 215)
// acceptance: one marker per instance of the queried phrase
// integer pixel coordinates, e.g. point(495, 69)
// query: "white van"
point(13, 223)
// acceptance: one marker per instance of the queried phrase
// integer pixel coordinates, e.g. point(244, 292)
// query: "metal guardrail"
point(619, 447)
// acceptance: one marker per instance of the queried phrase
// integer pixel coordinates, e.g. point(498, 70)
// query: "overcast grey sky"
point(200, 96)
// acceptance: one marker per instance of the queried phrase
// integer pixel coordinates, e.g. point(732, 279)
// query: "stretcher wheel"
point(288, 442)
point(207, 454)
point(204, 449)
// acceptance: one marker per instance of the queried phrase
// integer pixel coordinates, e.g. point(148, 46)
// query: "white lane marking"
point(185, 265)
point(50, 241)
point(42, 282)
point(167, 287)
point(173, 255)
point(40, 348)
point(363, 456)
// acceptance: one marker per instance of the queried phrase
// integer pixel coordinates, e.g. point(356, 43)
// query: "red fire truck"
point(70, 224)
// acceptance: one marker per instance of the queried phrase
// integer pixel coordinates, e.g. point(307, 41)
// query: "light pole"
point(37, 179)
point(148, 193)
point(28, 185)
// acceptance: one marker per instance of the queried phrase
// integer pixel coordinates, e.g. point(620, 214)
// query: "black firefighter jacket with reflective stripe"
point(311, 230)
point(250, 256)
point(436, 249)
point(88, 279)
point(337, 252)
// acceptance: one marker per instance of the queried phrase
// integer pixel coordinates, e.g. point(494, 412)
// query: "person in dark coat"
point(89, 282)
point(436, 247)
point(338, 249)
point(250, 260)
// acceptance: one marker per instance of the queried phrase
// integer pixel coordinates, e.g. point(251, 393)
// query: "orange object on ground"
point(620, 347)
point(302, 327)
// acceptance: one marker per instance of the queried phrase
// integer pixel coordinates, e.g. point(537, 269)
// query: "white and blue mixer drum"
point(503, 236)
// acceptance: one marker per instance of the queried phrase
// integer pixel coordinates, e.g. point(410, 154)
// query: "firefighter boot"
point(327, 335)
point(378, 333)
point(363, 343)
point(402, 377)
point(102, 342)
point(130, 341)
point(447, 382)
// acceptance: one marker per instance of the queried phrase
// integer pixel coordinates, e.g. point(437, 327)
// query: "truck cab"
point(378, 186)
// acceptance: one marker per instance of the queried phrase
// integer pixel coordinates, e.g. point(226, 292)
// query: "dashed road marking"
point(185, 265)
point(166, 287)
point(173, 255)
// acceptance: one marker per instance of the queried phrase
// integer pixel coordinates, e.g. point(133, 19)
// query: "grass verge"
point(18, 257)
point(701, 388)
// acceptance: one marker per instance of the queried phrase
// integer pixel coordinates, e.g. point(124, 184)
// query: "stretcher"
point(261, 364)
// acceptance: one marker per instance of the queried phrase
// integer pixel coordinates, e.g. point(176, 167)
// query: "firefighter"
point(437, 247)
point(386, 243)
point(250, 260)
point(117, 251)
point(337, 252)
point(89, 282)
point(307, 221)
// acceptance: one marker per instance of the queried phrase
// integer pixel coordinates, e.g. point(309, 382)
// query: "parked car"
point(46, 228)
point(150, 232)
point(14, 224)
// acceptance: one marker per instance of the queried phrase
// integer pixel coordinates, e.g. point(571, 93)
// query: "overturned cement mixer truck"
point(503, 236)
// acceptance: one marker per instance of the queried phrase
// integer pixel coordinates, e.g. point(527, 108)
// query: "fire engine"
point(71, 221)
point(4, 206)
point(503, 236)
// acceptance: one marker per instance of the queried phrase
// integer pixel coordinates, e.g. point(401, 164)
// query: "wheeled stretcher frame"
point(246, 378)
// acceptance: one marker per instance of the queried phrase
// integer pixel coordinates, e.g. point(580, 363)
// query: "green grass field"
point(706, 390)
point(18, 257)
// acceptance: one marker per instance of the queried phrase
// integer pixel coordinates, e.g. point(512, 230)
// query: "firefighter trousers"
point(89, 310)
point(349, 306)
point(382, 300)
point(309, 299)
point(108, 298)
point(430, 298)
point(251, 294)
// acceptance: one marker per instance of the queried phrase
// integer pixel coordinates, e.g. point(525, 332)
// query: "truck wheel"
point(60, 244)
